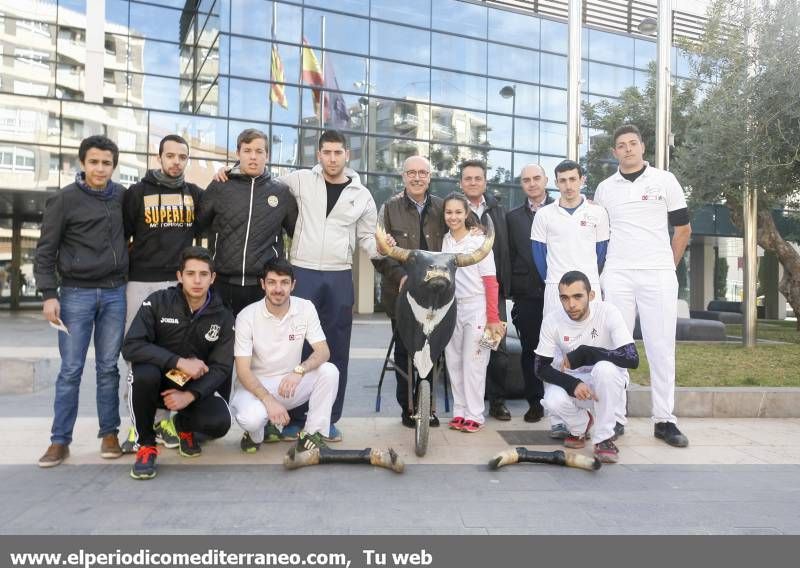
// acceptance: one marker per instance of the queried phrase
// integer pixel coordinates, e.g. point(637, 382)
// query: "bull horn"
point(395, 252)
point(468, 259)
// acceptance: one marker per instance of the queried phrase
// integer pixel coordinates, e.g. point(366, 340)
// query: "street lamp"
point(510, 92)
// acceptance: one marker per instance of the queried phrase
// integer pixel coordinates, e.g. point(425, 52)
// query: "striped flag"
point(312, 73)
point(277, 93)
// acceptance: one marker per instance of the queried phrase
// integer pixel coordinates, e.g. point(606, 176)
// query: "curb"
point(722, 402)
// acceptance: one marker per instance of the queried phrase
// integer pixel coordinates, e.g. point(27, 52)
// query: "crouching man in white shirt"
point(270, 335)
point(583, 355)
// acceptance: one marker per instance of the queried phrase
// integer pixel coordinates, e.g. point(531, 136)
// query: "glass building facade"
point(446, 79)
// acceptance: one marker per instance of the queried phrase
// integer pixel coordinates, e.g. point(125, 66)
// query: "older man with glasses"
point(414, 218)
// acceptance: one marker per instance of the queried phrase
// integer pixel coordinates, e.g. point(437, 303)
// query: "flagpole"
point(322, 90)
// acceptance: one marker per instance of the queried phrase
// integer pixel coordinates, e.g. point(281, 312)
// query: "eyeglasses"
point(421, 174)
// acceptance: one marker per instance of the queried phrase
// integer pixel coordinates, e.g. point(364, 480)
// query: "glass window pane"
point(443, 186)
point(342, 33)
point(289, 56)
point(400, 118)
point(445, 158)
point(415, 12)
point(526, 135)
point(499, 165)
point(609, 79)
point(290, 114)
point(526, 103)
point(345, 72)
point(646, 51)
point(160, 58)
point(514, 63)
point(284, 147)
point(349, 6)
point(553, 104)
point(249, 58)
point(388, 154)
point(116, 14)
point(288, 26)
point(457, 126)
point(610, 47)
point(458, 53)
point(553, 138)
point(399, 81)
point(384, 187)
point(251, 17)
point(401, 43)
point(206, 136)
point(342, 111)
point(249, 100)
point(554, 36)
point(640, 79)
point(458, 17)
point(155, 23)
point(514, 28)
point(457, 89)
point(235, 128)
point(161, 93)
point(499, 134)
point(130, 169)
point(554, 70)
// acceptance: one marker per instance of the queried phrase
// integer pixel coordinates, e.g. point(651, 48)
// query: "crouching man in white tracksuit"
point(270, 335)
point(583, 355)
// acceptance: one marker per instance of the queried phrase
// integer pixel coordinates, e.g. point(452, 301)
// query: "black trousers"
point(527, 318)
point(497, 369)
point(209, 416)
point(237, 297)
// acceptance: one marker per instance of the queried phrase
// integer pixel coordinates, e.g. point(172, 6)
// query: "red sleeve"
point(491, 288)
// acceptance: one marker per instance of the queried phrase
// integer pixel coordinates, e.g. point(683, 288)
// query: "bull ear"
point(395, 252)
point(468, 259)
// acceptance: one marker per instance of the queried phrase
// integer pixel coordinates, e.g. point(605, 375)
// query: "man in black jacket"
point(81, 267)
point(527, 288)
point(483, 205)
point(247, 213)
point(180, 346)
point(159, 214)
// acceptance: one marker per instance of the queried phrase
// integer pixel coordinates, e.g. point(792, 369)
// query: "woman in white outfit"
point(476, 298)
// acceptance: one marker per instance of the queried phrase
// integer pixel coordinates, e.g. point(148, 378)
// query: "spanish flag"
point(277, 93)
point(312, 73)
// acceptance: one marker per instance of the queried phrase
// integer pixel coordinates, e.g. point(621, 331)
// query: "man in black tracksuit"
point(527, 288)
point(483, 205)
point(248, 214)
point(184, 328)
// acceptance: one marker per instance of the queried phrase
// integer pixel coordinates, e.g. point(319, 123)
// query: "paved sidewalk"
point(739, 476)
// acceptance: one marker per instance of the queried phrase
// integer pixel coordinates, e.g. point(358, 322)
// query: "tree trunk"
point(770, 239)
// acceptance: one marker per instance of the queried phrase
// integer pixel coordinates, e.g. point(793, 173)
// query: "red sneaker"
point(578, 442)
point(470, 426)
point(456, 423)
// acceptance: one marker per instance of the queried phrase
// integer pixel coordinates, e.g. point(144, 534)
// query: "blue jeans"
point(84, 310)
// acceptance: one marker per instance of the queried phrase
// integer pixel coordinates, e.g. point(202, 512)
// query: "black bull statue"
point(426, 307)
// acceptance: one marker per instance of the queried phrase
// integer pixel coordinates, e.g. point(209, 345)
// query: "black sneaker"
point(407, 421)
point(306, 441)
point(619, 430)
point(189, 448)
point(247, 444)
point(145, 465)
point(535, 412)
point(434, 421)
point(498, 410)
point(669, 432)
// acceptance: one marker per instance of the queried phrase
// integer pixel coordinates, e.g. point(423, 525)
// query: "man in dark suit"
point(527, 288)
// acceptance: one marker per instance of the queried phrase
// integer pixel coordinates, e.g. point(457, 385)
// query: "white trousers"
point(467, 360)
point(135, 294)
point(553, 302)
point(608, 383)
point(654, 294)
point(317, 387)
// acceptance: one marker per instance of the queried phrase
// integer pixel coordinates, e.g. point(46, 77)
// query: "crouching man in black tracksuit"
point(187, 329)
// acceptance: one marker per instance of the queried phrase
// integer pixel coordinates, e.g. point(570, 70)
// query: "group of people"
point(121, 265)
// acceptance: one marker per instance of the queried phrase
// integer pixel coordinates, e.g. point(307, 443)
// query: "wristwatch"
point(299, 370)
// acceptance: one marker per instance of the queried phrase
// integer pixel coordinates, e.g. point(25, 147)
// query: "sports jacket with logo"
point(165, 330)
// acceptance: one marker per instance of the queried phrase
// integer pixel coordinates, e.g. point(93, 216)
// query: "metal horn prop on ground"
point(559, 457)
point(382, 458)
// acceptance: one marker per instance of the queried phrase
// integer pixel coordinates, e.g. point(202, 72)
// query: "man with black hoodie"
point(247, 212)
point(159, 214)
point(182, 332)
point(483, 205)
point(81, 268)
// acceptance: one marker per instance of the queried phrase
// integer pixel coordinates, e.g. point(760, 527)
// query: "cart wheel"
point(423, 418)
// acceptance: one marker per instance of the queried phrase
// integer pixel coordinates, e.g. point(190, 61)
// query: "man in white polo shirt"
point(583, 355)
point(571, 234)
point(270, 335)
point(639, 274)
